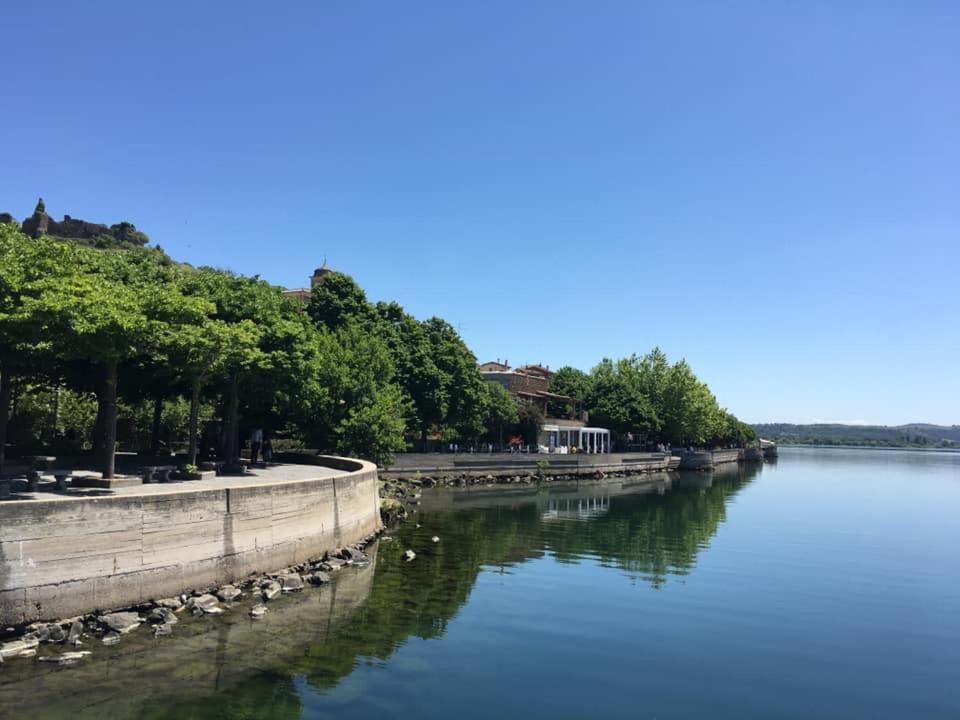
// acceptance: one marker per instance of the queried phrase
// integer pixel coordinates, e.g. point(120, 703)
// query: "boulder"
point(291, 583)
point(24, 647)
point(356, 557)
point(207, 603)
point(229, 593)
point(332, 564)
point(435, 539)
point(271, 590)
point(67, 658)
point(121, 622)
point(409, 555)
point(162, 630)
point(162, 616)
point(111, 638)
point(57, 634)
point(172, 603)
point(318, 578)
point(258, 611)
point(73, 635)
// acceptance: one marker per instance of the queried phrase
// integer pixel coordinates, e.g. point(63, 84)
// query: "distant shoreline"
point(868, 447)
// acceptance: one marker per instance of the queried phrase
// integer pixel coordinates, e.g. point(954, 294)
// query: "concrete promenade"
point(68, 553)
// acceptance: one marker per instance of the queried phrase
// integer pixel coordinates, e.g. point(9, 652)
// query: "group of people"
point(257, 444)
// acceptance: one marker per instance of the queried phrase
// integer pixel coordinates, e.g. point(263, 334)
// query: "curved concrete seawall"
point(63, 555)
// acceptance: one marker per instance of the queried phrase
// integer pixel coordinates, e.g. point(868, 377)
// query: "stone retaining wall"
point(68, 556)
point(480, 464)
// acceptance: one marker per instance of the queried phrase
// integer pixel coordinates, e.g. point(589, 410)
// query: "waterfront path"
point(278, 474)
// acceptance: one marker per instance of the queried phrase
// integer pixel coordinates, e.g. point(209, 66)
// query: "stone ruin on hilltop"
point(122, 233)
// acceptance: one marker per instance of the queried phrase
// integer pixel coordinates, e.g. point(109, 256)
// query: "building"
point(565, 423)
point(303, 294)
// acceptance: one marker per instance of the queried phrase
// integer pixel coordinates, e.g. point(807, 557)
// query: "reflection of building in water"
point(576, 508)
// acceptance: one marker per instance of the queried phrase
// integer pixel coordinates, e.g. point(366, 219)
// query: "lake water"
point(825, 585)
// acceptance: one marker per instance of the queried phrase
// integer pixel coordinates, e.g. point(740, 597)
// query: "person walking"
point(256, 440)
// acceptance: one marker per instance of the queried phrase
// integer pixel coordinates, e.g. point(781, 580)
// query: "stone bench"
point(62, 476)
point(156, 473)
point(36, 463)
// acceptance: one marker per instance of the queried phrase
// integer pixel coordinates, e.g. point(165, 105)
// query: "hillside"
point(910, 435)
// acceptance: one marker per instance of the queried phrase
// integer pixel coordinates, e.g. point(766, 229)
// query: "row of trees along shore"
point(168, 349)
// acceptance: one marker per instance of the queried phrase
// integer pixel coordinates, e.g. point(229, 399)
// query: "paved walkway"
point(274, 475)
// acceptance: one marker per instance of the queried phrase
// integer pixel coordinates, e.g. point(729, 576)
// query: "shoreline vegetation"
point(114, 345)
point(914, 436)
point(838, 446)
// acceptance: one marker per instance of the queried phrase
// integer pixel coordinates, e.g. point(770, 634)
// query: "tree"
point(13, 277)
point(417, 374)
point(107, 308)
point(529, 422)
point(373, 427)
point(500, 410)
point(251, 310)
point(458, 378)
point(616, 399)
point(336, 301)
point(571, 382)
point(99, 321)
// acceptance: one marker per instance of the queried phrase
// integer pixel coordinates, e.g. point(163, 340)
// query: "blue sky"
point(769, 189)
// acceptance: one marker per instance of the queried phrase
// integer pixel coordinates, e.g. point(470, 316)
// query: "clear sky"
point(769, 189)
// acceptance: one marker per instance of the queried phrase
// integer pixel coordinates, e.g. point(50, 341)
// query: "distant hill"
point(911, 435)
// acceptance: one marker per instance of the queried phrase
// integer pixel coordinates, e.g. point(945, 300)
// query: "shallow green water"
point(825, 585)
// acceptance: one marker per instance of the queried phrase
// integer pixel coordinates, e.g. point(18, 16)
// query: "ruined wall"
point(65, 557)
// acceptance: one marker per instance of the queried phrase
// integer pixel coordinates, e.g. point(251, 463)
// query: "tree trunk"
point(194, 420)
point(109, 401)
point(96, 435)
point(232, 422)
point(6, 391)
point(155, 426)
point(54, 412)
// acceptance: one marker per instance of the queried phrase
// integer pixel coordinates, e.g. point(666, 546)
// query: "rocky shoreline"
point(60, 642)
point(407, 488)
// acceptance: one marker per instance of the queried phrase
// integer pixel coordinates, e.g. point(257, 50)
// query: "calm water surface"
point(825, 585)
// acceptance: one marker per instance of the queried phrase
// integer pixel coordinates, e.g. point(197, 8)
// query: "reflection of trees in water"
point(420, 598)
point(653, 535)
point(269, 696)
point(644, 533)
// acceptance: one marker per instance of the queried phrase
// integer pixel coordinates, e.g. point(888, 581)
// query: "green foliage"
point(616, 399)
point(571, 382)
point(501, 407)
point(920, 435)
point(648, 397)
point(529, 422)
point(432, 366)
point(373, 428)
point(337, 300)
point(120, 330)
